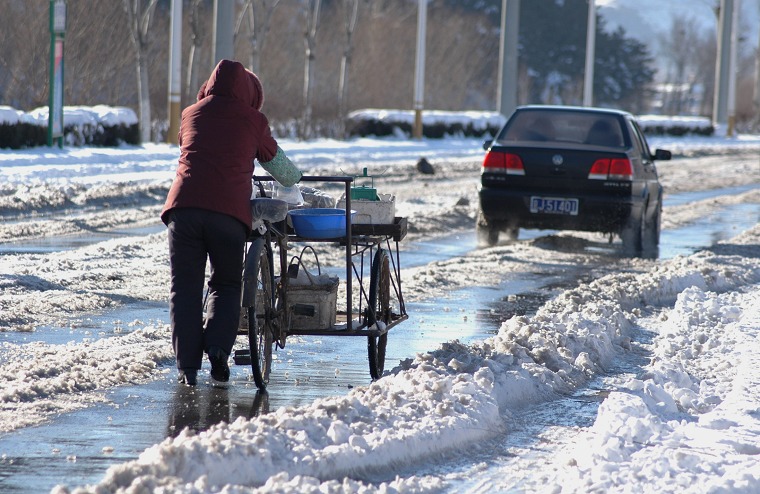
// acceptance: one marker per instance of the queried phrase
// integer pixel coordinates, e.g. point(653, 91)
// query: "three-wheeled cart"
point(282, 298)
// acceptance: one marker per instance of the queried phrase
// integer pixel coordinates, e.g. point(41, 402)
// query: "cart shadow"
point(199, 408)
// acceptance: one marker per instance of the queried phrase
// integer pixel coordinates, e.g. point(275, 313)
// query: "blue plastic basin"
point(319, 222)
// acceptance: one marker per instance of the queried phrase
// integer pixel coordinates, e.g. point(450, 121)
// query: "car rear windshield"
point(596, 129)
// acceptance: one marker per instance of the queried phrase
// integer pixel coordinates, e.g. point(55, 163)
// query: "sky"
point(648, 19)
point(689, 421)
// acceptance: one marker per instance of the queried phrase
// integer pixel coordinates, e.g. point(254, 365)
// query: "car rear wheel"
point(488, 236)
point(631, 235)
point(486, 231)
point(650, 236)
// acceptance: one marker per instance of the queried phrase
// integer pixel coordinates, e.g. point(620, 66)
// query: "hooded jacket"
point(220, 135)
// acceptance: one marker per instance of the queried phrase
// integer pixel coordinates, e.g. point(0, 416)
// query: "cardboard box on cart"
point(312, 304)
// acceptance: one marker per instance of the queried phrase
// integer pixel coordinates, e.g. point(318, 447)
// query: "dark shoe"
point(188, 376)
point(220, 371)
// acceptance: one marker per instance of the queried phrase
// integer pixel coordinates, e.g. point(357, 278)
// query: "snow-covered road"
point(683, 416)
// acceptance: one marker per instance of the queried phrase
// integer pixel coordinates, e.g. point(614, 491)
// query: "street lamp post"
point(506, 90)
point(419, 72)
point(175, 72)
point(55, 98)
point(723, 67)
point(588, 82)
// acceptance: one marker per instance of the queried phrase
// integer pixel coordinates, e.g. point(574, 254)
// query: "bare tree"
point(707, 50)
point(97, 49)
point(197, 39)
point(259, 16)
point(310, 41)
point(679, 48)
point(24, 52)
point(139, 23)
point(351, 12)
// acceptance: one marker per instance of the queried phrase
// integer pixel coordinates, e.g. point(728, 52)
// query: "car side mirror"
point(487, 144)
point(662, 154)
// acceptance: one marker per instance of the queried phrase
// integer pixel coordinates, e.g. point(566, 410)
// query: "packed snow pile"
point(42, 379)
point(694, 417)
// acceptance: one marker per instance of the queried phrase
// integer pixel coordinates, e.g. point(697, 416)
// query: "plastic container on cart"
point(319, 223)
point(379, 212)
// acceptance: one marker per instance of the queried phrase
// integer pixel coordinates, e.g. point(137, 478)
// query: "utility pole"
point(419, 69)
point(55, 99)
point(588, 82)
point(723, 64)
point(731, 129)
point(506, 89)
point(175, 72)
point(224, 30)
point(756, 93)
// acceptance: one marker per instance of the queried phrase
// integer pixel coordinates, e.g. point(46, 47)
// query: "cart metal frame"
point(266, 313)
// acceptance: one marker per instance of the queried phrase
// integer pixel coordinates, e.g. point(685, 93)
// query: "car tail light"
point(611, 169)
point(508, 163)
point(599, 170)
point(621, 169)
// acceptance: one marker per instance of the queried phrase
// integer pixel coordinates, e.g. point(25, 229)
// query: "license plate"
point(554, 205)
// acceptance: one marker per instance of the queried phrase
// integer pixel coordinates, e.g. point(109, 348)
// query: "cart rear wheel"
point(260, 333)
point(379, 311)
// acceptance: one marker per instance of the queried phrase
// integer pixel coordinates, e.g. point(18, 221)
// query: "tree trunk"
point(143, 93)
point(139, 22)
point(352, 10)
point(193, 60)
point(310, 35)
point(259, 14)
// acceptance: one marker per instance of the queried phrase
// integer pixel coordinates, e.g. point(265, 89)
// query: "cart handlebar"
point(309, 178)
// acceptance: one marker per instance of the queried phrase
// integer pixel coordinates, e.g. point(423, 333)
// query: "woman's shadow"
point(199, 408)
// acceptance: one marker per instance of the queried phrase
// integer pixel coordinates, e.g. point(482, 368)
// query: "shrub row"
point(436, 124)
point(107, 126)
point(656, 125)
point(83, 126)
point(22, 135)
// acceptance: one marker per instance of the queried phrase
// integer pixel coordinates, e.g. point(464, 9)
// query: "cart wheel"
point(260, 324)
point(379, 310)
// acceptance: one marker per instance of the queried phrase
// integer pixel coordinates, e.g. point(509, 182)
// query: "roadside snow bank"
point(40, 289)
point(691, 423)
point(40, 379)
point(388, 423)
point(450, 398)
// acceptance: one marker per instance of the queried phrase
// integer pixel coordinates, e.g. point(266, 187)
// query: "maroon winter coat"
point(219, 137)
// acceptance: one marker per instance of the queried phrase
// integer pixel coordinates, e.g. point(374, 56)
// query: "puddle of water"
point(438, 249)
point(70, 242)
point(95, 326)
point(688, 197)
point(720, 225)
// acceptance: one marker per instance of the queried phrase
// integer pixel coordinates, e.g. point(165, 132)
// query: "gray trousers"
point(195, 234)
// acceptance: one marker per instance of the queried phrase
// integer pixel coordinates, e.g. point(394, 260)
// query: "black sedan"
point(571, 168)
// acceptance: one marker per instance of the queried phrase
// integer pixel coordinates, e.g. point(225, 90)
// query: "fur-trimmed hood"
point(230, 79)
